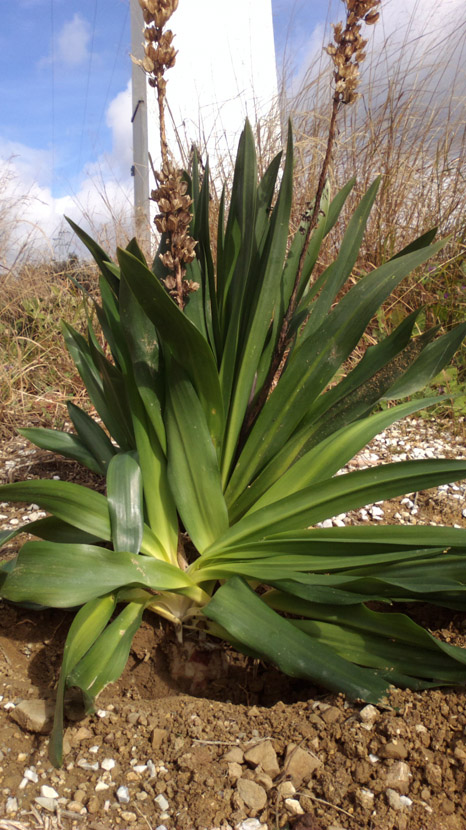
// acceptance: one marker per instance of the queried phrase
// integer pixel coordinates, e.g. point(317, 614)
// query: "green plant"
point(200, 510)
point(220, 385)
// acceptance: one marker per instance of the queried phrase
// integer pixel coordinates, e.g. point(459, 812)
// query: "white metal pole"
point(140, 168)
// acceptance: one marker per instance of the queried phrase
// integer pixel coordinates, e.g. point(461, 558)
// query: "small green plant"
point(220, 387)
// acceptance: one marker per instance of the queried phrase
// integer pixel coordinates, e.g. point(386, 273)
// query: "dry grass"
point(37, 376)
point(408, 126)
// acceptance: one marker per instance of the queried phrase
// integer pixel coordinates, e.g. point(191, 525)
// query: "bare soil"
point(415, 748)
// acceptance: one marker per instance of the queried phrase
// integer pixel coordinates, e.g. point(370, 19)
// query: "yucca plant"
point(226, 420)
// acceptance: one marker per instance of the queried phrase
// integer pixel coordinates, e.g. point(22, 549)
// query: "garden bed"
point(245, 746)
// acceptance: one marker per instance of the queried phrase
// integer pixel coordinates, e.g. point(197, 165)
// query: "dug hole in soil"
point(208, 739)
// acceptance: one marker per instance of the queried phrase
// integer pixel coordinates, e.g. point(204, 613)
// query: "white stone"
point(122, 795)
point(369, 713)
point(87, 764)
point(108, 764)
point(294, 807)
point(250, 824)
point(48, 792)
point(101, 786)
point(151, 769)
point(49, 804)
point(31, 775)
point(162, 802)
point(11, 806)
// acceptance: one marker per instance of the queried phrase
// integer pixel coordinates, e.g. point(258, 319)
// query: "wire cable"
point(52, 72)
point(88, 82)
point(107, 94)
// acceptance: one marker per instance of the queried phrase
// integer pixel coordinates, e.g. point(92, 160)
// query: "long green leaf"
point(92, 435)
point(338, 272)
point(78, 506)
point(63, 576)
point(334, 452)
point(429, 363)
point(85, 629)
point(147, 364)
point(270, 271)
point(101, 257)
point(250, 621)
point(125, 502)
point(314, 363)
point(85, 362)
point(186, 343)
point(159, 502)
point(329, 497)
point(63, 443)
point(107, 658)
point(193, 471)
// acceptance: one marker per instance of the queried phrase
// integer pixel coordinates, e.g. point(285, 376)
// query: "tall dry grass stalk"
point(409, 125)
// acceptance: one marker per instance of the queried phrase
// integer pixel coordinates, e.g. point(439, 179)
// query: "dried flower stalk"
point(347, 53)
point(171, 192)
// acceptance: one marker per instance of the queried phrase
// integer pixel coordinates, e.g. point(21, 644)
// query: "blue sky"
point(62, 63)
point(65, 103)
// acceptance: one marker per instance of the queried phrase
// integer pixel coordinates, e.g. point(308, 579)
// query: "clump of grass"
point(37, 375)
point(408, 126)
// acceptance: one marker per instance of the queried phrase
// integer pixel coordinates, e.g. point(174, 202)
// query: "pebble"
point(398, 777)
point(394, 749)
point(122, 795)
point(126, 815)
point(253, 795)
point(249, 824)
point(48, 792)
point(49, 804)
point(294, 807)
point(108, 764)
point(31, 775)
point(101, 786)
point(365, 798)
point(11, 806)
point(76, 807)
point(93, 766)
point(299, 764)
point(397, 801)
point(34, 715)
point(82, 734)
point(369, 714)
point(235, 755)
point(151, 769)
point(286, 789)
point(263, 755)
point(162, 802)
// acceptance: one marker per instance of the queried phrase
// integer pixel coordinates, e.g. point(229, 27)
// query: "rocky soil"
point(246, 748)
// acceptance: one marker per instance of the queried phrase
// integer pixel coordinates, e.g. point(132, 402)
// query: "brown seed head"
point(347, 51)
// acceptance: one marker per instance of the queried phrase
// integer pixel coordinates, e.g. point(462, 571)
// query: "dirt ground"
point(183, 755)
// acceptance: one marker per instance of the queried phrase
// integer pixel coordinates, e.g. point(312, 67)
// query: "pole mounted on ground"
point(140, 168)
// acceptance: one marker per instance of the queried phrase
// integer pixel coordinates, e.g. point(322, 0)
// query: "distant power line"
point(109, 86)
point(88, 82)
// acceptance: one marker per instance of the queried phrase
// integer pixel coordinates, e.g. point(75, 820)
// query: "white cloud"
point(31, 218)
point(412, 36)
point(72, 42)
